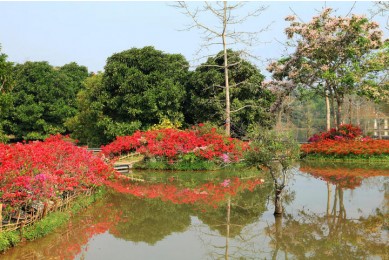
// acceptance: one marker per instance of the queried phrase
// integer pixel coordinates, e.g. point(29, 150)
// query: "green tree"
point(43, 98)
point(141, 87)
point(249, 100)
point(274, 152)
point(6, 84)
point(85, 124)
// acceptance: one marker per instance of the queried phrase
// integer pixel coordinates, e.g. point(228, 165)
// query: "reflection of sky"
point(175, 246)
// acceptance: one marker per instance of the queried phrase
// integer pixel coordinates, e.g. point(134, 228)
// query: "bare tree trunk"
point(278, 200)
point(350, 110)
point(334, 109)
point(339, 119)
point(228, 116)
point(328, 111)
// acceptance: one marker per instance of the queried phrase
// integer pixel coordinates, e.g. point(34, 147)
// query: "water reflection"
point(327, 215)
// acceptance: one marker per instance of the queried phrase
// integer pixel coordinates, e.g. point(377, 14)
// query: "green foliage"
point(6, 103)
point(43, 98)
point(206, 94)
point(46, 225)
point(165, 124)
point(188, 162)
point(141, 87)
point(8, 239)
point(86, 125)
point(268, 146)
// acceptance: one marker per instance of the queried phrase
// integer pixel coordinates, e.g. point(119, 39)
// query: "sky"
point(90, 32)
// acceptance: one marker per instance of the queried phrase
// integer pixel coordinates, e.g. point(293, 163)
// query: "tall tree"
point(141, 87)
point(224, 33)
point(85, 125)
point(6, 84)
point(43, 98)
point(328, 55)
point(249, 100)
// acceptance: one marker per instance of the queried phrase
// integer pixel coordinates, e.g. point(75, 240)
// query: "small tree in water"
point(275, 152)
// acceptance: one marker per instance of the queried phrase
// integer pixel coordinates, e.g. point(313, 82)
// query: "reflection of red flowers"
point(171, 143)
point(78, 236)
point(344, 177)
point(210, 193)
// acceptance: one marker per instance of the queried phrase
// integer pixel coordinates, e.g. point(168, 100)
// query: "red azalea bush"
point(344, 132)
point(38, 170)
point(172, 143)
point(347, 147)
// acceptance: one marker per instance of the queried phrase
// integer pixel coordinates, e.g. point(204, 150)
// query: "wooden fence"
point(30, 213)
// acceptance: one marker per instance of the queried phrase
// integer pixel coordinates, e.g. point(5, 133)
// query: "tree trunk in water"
point(328, 198)
point(278, 201)
point(278, 235)
point(328, 111)
point(228, 227)
point(228, 116)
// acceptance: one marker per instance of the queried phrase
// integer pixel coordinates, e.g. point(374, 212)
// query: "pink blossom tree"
point(329, 57)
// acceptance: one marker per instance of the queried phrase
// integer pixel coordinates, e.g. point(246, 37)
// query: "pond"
point(229, 215)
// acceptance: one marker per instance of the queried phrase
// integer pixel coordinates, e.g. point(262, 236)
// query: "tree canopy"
point(138, 89)
point(328, 56)
point(249, 100)
point(43, 98)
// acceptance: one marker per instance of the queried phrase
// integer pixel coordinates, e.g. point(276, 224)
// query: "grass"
point(347, 158)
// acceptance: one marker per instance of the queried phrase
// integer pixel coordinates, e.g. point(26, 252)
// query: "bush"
point(40, 171)
point(177, 146)
point(344, 132)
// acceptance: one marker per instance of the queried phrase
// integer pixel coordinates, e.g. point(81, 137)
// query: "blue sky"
point(89, 32)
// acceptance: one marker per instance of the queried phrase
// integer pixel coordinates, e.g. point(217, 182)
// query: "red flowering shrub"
point(345, 131)
point(172, 143)
point(347, 147)
point(38, 171)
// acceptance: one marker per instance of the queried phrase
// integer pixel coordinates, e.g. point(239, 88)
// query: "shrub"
point(172, 145)
point(39, 171)
point(345, 131)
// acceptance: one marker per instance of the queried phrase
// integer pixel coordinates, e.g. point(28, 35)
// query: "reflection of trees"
point(246, 208)
point(147, 220)
point(232, 217)
point(331, 235)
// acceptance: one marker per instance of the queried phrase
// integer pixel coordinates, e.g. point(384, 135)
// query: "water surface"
point(330, 212)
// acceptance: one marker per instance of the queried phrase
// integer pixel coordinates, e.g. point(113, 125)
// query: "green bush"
point(8, 239)
point(46, 225)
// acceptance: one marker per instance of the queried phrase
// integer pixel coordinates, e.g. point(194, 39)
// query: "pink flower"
point(225, 183)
